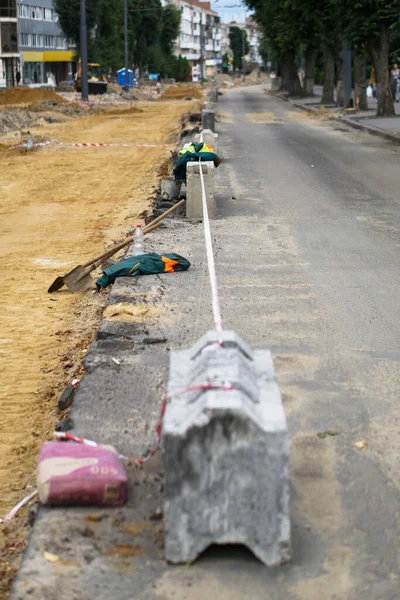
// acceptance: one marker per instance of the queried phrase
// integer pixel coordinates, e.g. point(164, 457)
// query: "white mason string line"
point(210, 261)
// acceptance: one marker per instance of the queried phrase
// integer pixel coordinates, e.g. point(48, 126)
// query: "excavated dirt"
point(16, 118)
point(60, 206)
point(13, 96)
point(179, 92)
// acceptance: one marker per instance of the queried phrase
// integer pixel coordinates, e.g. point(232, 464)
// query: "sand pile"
point(12, 96)
point(179, 92)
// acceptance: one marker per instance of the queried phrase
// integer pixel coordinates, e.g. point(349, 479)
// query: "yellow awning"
point(52, 56)
point(59, 56)
point(32, 56)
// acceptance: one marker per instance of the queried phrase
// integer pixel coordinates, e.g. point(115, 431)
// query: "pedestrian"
point(18, 77)
point(158, 86)
point(395, 75)
point(372, 83)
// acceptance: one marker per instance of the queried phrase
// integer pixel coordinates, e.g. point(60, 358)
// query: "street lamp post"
point(84, 53)
point(201, 49)
point(126, 46)
point(243, 50)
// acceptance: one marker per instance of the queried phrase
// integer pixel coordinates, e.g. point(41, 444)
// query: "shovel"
point(79, 278)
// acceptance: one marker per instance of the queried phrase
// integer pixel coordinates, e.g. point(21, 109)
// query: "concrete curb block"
point(225, 453)
point(354, 124)
point(303, 107)
point(392, 137)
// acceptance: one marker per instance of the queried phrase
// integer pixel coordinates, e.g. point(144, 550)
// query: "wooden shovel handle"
point(147, 229)
point(161, 217)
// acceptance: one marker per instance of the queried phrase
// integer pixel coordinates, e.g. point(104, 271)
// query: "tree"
point(183, 69)
point(360, 80)
point(225, 63)
point(239, 45)
point(171, 22)
point(280, 22)
point(151, 32)
point(69, 18)
point(367, 24)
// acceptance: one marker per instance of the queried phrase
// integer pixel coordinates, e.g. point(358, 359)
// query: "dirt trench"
point(59, 206)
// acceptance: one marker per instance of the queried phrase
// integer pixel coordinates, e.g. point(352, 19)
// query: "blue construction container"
point(121, 78)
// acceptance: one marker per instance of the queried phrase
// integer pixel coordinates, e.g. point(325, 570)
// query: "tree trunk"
point(380, 57)
point(309, 56)
point(329, 80)
point(290, 76)
point(360, 82)
point(339, 75)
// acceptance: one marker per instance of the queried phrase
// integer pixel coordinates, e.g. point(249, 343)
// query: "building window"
point(61, 42)
point(48, 14)
point(8, 9)
point(23, 11)
point(36, 13)
point(37, 40)
point(49, 41)
point(26, 39)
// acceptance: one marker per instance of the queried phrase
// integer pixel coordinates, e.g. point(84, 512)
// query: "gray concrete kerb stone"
point(225, 453)
point(355, 124)
point(194, 194)
point(208, 119)
point(210, 138)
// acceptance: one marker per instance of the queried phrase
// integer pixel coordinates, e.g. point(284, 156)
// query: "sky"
point(230, 10)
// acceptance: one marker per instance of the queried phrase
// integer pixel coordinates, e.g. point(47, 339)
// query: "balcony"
point(8, 9)
point(8, 38)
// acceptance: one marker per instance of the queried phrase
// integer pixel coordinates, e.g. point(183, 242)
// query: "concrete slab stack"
point(225, 452)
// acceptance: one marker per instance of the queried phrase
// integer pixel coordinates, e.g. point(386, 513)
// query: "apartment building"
point(225, 43)
point(199, 25)
point(46, 57)
point(9, 54)
point(253, 38)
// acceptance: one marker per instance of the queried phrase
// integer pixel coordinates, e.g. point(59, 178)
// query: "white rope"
point(200, 295)
point(210, 261)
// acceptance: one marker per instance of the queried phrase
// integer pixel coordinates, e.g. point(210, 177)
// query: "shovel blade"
point(85, 283)
point(56, 285)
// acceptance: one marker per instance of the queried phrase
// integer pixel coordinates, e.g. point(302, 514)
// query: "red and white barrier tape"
point(91, 145)
point(60, 435)
point(210, 261)
point(18, 506)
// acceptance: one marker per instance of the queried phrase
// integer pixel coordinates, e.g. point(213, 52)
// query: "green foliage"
point(264, 49)
point(171, 21)
point(236, 36)
point(183, 69)
point(362, 19)
point(151, 32)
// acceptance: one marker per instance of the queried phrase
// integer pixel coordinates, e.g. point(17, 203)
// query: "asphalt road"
point(307, 245)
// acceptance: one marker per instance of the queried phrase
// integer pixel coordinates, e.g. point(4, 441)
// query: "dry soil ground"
point(61, 205)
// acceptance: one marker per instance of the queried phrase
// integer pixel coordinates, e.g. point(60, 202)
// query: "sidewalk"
point(388, 127)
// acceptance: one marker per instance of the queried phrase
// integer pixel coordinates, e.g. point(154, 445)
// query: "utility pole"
point(201, 49)
point(348, 84)
point(243, 49)
point(126, 46)
point(84, 53)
